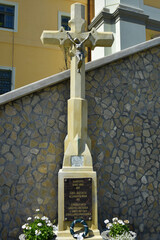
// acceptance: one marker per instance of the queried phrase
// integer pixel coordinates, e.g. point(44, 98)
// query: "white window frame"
point(60, 14)
point(12, 75)
point(15, 29)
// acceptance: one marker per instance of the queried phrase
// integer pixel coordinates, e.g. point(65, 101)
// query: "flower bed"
point(38, 228)
point(118, 230)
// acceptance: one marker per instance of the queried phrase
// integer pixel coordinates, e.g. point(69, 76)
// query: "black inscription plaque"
point(77, 198)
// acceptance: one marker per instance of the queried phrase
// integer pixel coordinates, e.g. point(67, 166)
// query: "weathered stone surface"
point(37, 176)
point(37, 109)
point(5, 148)
point(144, 180)
point(42, 168)
point(5, 207)
point(34, 151)
point(10, 110)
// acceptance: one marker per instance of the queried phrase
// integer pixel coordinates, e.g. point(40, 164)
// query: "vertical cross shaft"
point(77, 142)
point(77, 24)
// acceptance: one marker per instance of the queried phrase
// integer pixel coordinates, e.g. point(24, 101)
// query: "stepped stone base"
point(66, 235)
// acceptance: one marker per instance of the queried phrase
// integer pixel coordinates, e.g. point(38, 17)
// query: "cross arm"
point(100, 39)
point(55, 37)
point(91, 39)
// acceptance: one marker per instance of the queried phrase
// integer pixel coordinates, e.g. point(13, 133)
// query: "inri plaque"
point(77, 198)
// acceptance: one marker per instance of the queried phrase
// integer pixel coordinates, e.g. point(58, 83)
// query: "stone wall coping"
point(60, 77)
point(122, 54)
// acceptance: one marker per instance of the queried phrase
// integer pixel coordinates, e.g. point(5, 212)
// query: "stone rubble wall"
point(124, 127)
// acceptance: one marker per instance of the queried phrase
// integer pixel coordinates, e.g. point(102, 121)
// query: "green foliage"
point(36, 232)
point(118, 229)
point(40, 228)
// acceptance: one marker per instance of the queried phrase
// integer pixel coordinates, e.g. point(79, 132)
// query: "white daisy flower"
point(24, 226)
point(109, 225)
point(120, 222)
point(106, 221)
point(39, 224)
point(28, 228)
point(37, 232)
point(115, 219)
point(47, 221)
point(49, 224)
point(44, 218)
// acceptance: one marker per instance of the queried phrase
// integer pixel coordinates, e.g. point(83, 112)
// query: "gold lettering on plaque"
point(78, 198)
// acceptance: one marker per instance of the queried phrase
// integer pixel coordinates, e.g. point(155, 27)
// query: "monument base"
point(63, 223)
point(66, 235)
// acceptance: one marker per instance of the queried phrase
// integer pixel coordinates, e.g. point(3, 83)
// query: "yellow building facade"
point(21, 50)
point(152, 33)
point(23, 57)
point(152, 3)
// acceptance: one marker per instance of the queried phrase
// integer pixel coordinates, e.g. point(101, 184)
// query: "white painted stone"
point(129, 17)
point(113, 4)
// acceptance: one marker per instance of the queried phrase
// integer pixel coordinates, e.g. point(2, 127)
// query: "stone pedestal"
point(64, 226)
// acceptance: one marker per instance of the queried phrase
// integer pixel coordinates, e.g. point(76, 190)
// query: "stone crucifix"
point(77, 162)
point(77, 142)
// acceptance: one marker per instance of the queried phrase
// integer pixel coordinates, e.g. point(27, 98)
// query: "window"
point(5, 81)
point(63, 19)
point(64, 22)
point(6, 16)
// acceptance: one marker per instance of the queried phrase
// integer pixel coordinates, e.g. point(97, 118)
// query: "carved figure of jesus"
point(80, 51)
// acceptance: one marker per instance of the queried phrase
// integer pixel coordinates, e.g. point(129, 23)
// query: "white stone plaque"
point(77, 161)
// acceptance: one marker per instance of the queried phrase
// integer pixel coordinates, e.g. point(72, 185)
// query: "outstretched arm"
point(70, 38)
point(86, 38)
